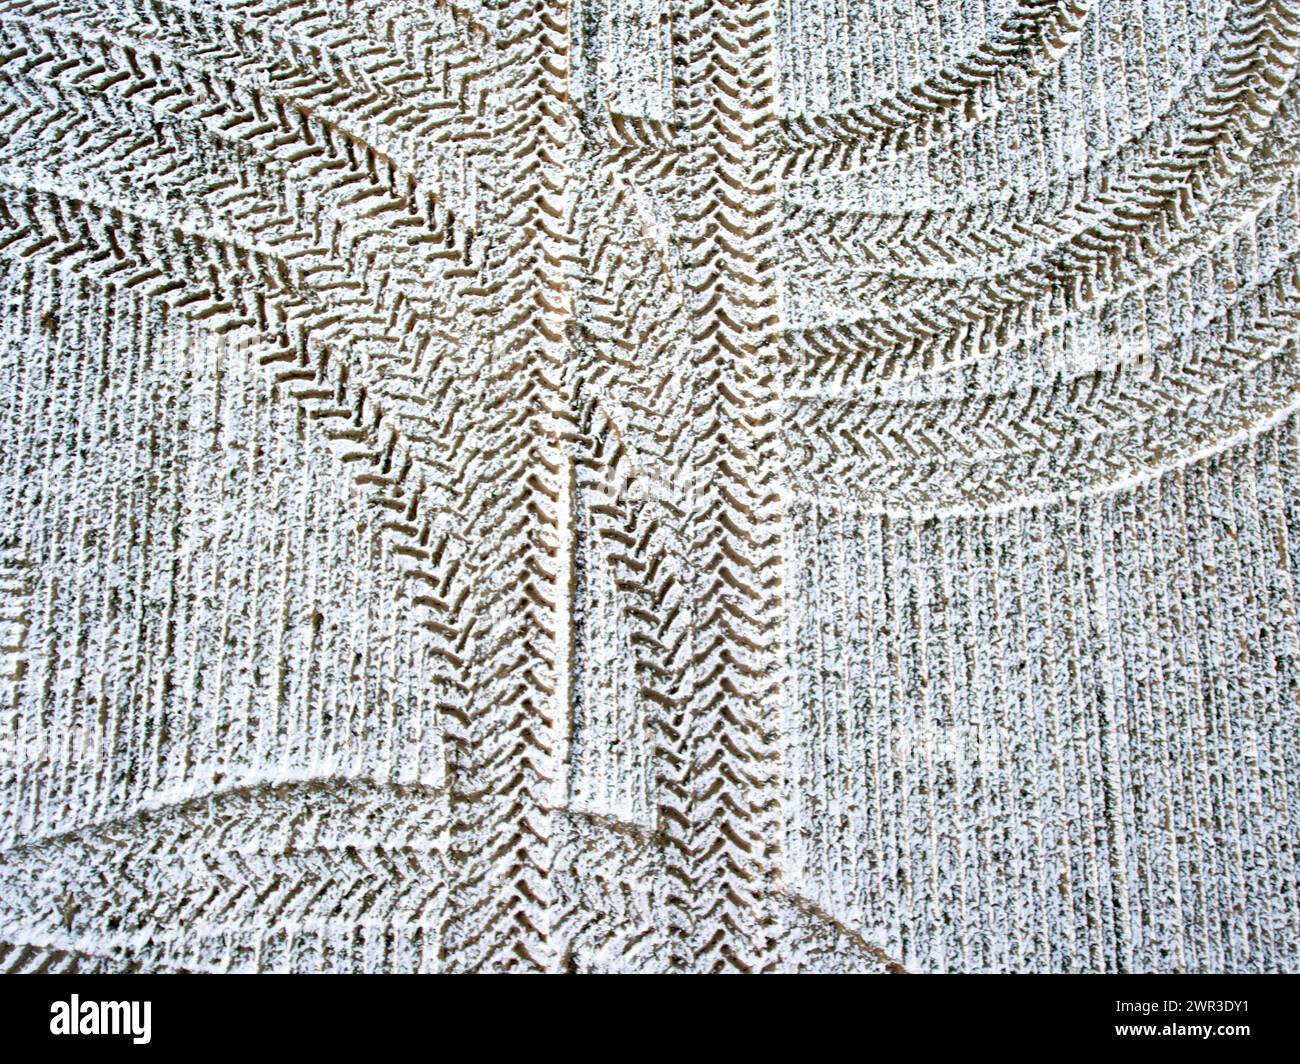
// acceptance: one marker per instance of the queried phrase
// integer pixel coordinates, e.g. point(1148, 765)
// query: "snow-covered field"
point(611, 485)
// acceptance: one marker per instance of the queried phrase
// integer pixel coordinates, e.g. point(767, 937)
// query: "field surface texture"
point(647, 486)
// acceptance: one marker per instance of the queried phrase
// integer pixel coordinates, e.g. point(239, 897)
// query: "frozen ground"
point(792, 485)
